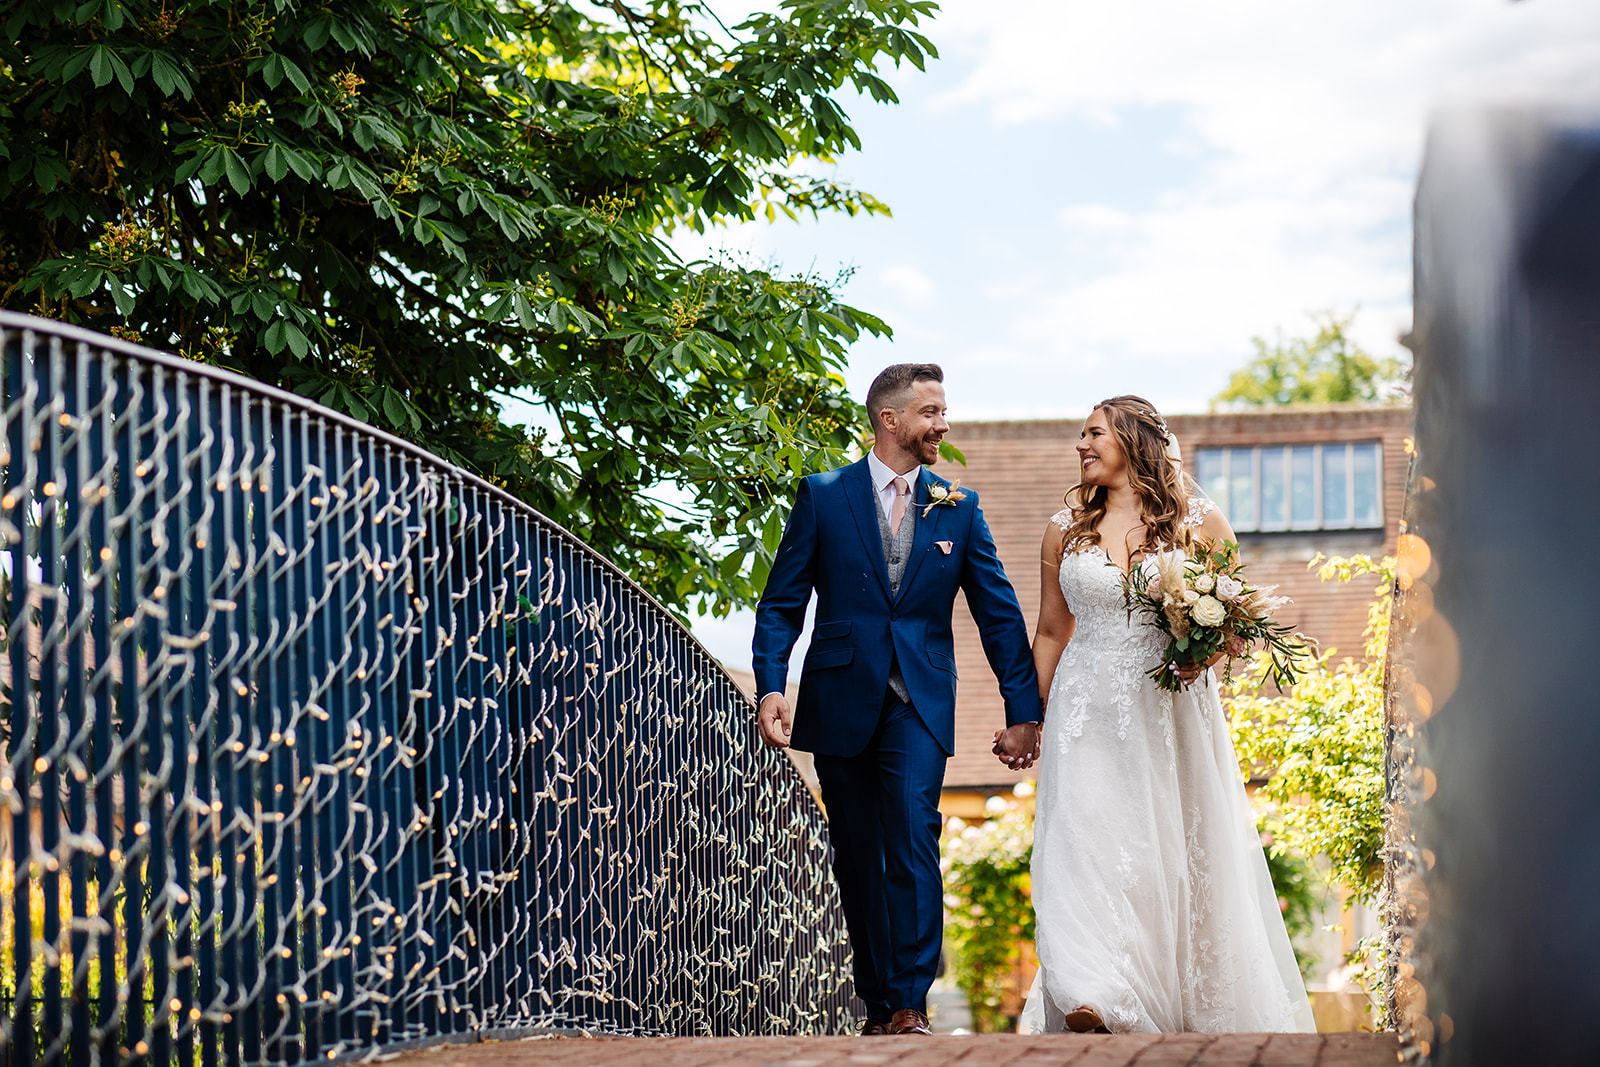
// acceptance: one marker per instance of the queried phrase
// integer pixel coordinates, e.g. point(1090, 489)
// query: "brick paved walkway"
point(990, 1050)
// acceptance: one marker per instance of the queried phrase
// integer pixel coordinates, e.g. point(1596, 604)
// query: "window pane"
point(1208, 472)
point(1242, 490)
point(1302, 488)
point(1369, 509)
point(1274, 511)
point(1335, 484)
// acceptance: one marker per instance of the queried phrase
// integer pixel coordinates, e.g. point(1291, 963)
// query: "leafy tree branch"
point(408, 212)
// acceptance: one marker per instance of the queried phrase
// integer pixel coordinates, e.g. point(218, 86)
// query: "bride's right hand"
point(1017, 746)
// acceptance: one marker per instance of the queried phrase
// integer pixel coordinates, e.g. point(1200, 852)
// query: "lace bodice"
point(1094, 588)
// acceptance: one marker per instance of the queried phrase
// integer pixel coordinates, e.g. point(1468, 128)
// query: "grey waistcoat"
point(896, 550)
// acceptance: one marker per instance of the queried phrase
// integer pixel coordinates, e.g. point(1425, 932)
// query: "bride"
point(1155, 910)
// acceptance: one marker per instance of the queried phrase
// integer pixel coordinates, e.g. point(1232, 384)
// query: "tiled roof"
point(1022, 469)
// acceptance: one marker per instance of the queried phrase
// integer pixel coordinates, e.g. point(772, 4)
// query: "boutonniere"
point(943, 496)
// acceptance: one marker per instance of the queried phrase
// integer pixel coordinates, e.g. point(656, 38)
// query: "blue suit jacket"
point(832, 545)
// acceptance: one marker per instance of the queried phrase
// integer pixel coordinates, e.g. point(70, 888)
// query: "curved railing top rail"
point(316, 744)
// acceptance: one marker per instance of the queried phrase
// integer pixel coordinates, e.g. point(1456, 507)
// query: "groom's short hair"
point(892, 387)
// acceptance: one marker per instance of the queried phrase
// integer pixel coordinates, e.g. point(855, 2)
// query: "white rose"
point(1208, 611)
point(1229, 587)
point(1190, 596)
point(1205, 583)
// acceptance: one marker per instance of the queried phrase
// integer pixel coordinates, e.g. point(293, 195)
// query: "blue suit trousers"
point(883, 820)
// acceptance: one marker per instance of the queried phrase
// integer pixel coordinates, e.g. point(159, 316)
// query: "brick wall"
point(1022, 469)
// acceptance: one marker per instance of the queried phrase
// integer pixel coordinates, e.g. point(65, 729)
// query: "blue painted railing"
point(316, 745)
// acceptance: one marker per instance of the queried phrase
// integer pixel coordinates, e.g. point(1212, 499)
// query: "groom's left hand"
point(1018, 746)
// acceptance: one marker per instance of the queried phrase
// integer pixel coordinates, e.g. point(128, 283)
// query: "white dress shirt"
point(883, 481)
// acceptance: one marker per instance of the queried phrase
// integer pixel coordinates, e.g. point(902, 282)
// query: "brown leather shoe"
point(909, 1021)
point(1085, 1020)
point(873, 1028)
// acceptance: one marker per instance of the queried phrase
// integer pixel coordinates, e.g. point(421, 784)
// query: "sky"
point(1091, 199)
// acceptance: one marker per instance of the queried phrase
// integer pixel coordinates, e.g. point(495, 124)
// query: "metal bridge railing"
point(317, 745)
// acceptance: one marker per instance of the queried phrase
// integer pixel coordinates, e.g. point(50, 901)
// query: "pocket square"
point(945, 546)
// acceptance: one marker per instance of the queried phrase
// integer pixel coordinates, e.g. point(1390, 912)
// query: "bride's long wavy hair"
point(1142, 434)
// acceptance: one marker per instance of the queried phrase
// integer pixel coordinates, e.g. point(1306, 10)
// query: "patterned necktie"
point(898, 511)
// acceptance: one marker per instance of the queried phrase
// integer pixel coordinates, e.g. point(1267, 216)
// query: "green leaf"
point(272, 71)
point(105, 64)
point(238, 173)
point(48, 170)
point(298, 344)
point(86, 283)
point(772, 531)
point(617, 267)
point(301, 164)
point(394, 409)
point(496, 311)
point(276, 163)
point(297, 77)
point(524, 312)
point(212, 165)
point(273, 337)
point(121, 297)
point(168, 76)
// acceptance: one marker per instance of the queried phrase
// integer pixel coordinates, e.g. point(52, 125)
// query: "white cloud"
point(1094, 218)
point(1310, 117)
point(914, 287)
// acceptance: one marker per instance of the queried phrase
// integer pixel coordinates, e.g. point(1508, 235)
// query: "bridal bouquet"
point(1204, 604)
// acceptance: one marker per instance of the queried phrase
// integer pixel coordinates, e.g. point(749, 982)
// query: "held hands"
point(1018, 746)
point(775, 719)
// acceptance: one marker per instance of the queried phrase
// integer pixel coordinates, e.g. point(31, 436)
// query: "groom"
point(886, 544)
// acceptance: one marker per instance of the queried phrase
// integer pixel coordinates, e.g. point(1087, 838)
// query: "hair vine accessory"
point(1161, 424)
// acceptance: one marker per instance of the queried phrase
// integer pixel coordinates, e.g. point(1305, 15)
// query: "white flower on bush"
point(1229, 587)
point(1205, 583)
point(1208, 611)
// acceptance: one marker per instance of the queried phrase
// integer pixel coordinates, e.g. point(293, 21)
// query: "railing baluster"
point(20, 630)
point(104, 397)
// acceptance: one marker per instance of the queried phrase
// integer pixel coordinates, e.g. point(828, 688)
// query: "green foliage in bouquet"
point(1204, 604)
point(414, 212)
point(988, 908)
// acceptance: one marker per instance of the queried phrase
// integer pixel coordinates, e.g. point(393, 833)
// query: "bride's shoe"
point(1085, 1020)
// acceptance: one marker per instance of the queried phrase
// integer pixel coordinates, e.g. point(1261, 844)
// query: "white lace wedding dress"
point(1151, 890)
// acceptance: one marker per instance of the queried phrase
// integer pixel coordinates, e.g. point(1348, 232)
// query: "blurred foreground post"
point(1501, 608)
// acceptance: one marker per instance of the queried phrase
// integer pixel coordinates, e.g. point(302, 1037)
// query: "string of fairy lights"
point(316, 746)
point(1423, 670)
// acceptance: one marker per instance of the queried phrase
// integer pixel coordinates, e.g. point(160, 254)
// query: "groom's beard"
point(924, 446)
